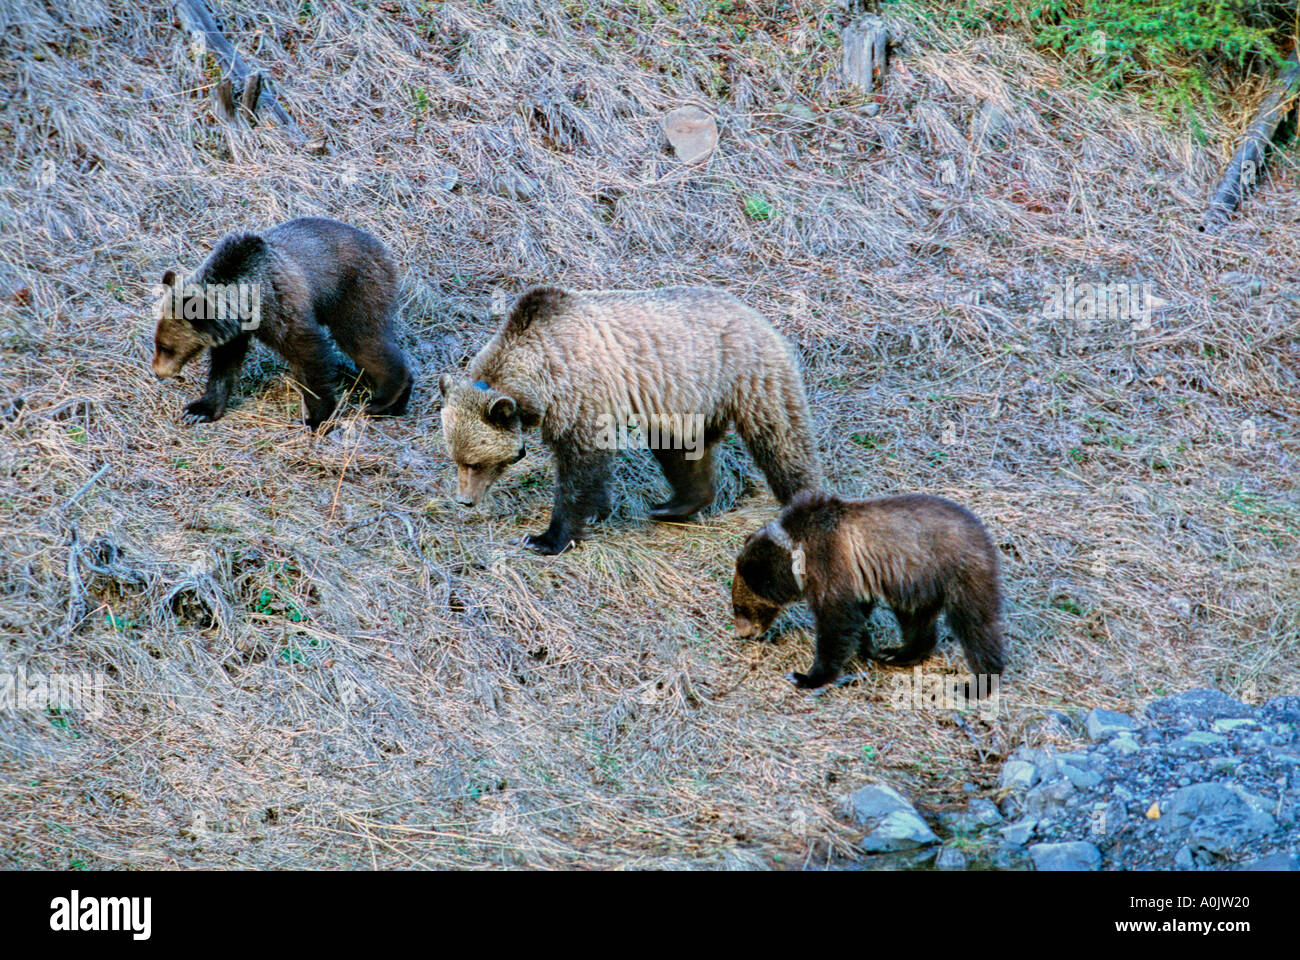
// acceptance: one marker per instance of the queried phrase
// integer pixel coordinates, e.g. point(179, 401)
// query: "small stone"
point(1018, 833)
point(950, 858)
point(1082, 779)
point(1228, 724)
point(871, 109)
point(797, 110)
point(1018, 775)
point(900, 830)
point(1195, 741)
point(874, 801)
point(1104, 724)
point(1072, 855)
point(1125, 745)
point(1281, 860)
point(1183, 859)
point(1046, 798)
point(1181, 607)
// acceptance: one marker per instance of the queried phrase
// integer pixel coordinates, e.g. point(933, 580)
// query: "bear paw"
point(547, 544)
point(204, 410)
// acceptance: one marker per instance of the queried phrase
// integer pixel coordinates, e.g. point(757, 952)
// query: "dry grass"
point(316, 659)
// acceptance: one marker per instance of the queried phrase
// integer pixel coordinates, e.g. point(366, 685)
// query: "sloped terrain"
point(314, 658)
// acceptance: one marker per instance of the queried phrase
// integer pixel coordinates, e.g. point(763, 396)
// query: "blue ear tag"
point(480, 385)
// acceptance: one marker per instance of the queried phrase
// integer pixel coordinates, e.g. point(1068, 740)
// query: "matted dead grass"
point(315, 658)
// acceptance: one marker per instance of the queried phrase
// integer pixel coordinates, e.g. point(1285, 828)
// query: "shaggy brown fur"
point(921, 555)
point(563, 359)
point(316, 277)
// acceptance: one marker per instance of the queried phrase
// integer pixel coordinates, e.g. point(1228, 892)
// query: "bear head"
point(483, 431)
point(769, 575)
point(176, 340)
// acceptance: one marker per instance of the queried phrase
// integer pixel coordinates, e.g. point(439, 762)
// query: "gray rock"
point(1046, 799)
point(1018, 833)
point(950, 858)
point(1281, 860)
point(1282, 710)
point(900, 830)
point(1219, 818)
point(797, 110)
point(871, 109)
point(1183, 859)
point(1073, 855)
point(1196, 742)
point(1018, 775)
point(516, 185)
point(875, 801)
point(1104, 724)
point(1228, 724)
point(1124, 744)
point(1201, 705)
point(1082, 779)
point(979, 813)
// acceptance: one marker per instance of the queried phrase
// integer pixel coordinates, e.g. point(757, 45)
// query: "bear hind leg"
point(975, 625)
point(313, 367)
point(384, 366)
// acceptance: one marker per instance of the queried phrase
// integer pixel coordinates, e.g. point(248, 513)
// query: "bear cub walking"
point(919, 554)
point(290, 287)
point(577, 365)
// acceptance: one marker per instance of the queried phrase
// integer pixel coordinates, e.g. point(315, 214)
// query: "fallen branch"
point(238, 82)
point(1246, 165)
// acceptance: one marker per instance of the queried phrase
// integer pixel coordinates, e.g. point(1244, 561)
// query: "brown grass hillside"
point(315, 658)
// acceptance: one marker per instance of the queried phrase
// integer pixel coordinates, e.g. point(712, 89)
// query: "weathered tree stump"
point(238, 83)
point(866, 50)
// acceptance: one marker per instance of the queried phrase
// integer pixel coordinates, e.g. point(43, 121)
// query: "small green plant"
point(758, 207)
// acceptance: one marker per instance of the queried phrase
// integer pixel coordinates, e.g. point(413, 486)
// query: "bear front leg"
point(839, 624)
point(581, 494)
point(224, 363)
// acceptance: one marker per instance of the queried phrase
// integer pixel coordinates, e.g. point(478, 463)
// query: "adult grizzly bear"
point(290, 287)
point(922, 555)
point(578, 364)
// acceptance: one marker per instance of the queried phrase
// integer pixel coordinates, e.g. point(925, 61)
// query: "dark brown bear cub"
point(290, 287)
point(921, 555)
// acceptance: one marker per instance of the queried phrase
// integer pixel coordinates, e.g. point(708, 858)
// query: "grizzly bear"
point(578, 364)
point(290, 287)
point(921, 555)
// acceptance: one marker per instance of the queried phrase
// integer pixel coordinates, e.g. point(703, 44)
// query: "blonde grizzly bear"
point(571, 363)
point(922, 555)
point(296, 284)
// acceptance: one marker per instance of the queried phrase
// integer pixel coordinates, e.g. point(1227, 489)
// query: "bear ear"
point(169, 278)
point(445, 383)
point(501, 411)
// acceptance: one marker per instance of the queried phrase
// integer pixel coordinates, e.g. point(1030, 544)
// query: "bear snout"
point(745, 628)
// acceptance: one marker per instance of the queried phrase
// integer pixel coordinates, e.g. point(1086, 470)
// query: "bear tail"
point(232, 256)
point(536, 304)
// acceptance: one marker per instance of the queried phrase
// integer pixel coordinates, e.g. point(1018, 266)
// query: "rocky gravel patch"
point(1199, 781)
